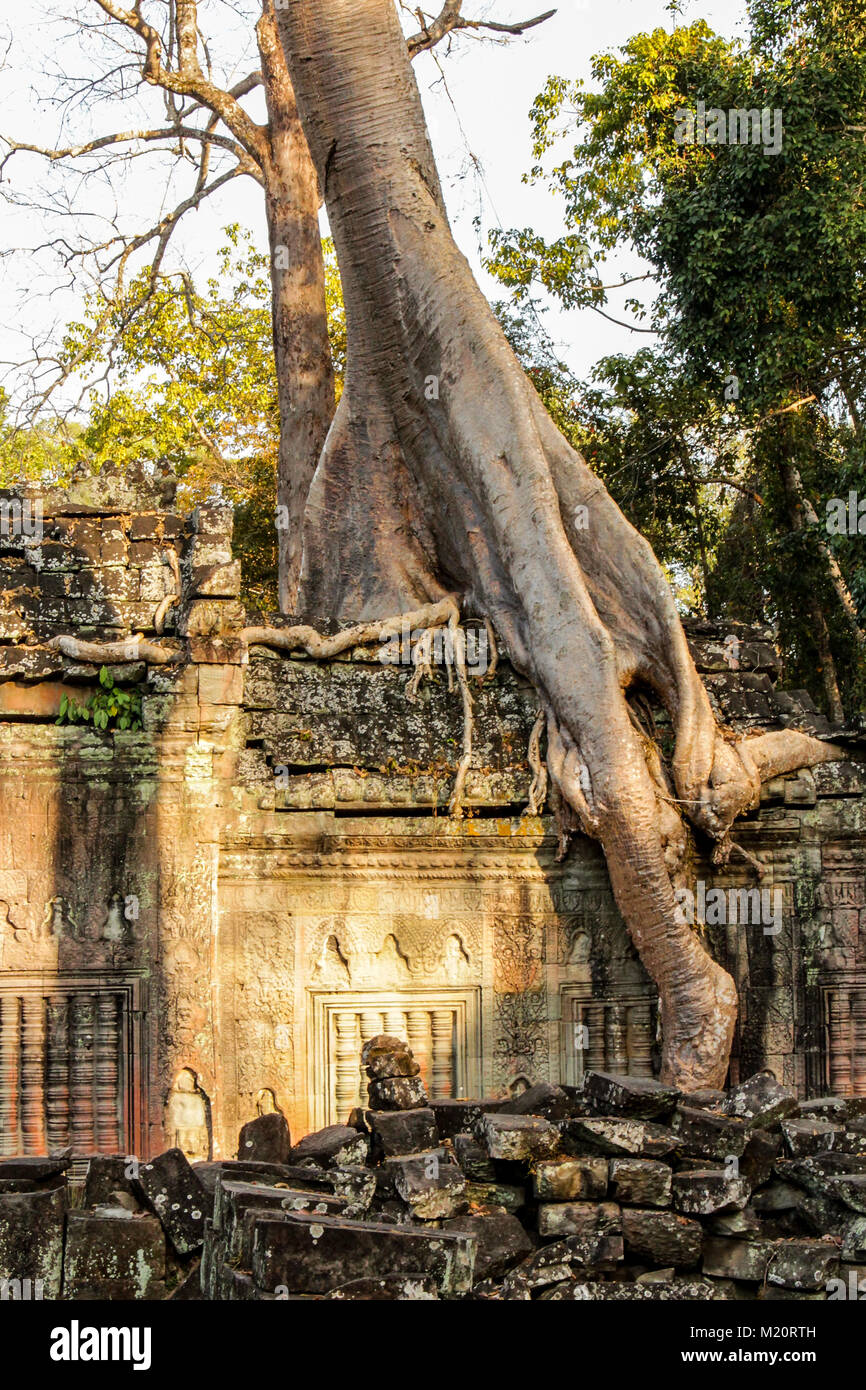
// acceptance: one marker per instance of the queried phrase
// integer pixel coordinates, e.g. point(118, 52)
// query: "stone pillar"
point(346, 1063)
point(33, 1074)
point(81, 1074)
point(639, 1039)
point(615, 1039)
point(858, 1028)
point(57, 1083)
point(107, 1074)
point(418, 1037)
point(442, 1021)
point(371, 1025)
point(10, 1044)
point(840, 1042)
point(594, 1058)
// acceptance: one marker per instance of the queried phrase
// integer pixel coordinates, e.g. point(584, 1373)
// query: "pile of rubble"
point(621, 1189)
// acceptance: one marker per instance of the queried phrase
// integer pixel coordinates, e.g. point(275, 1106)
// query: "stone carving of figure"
point(266, 1102)
point(186, 1116)
point(332, 968)
point(455, 960)
point(115, 924)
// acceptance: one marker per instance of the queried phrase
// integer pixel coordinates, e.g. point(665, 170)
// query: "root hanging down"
point(538, 768)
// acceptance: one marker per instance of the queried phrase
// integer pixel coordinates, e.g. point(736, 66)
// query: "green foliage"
point(759, 260)
point(110, 707)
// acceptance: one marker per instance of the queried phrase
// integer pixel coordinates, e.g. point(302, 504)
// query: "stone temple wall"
point(202, 919)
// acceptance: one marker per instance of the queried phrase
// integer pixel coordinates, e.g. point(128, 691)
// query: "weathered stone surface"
point(707, 1191)
point(402, 1131)
point(834, 1108)
point(810, 1136)
point(571, 1179)
point(803, 1264)
point(403, 1288)
point(586, 1219)
point(473, 1158)
point(386, 1055)
point(308, 1254)
point(564, 1260)
point(172, 1189)
point(703, 1134)
point(235, 1199)
point(31, 1237)
point(661, 1237)
point(640, 1182)
point(850, 1189)
point(112, 1257)
point(335, 1146)
point(38, 1170)
point(746, 1260)
point(631, 1097)
point(760, 1154)
point(551, 1102)
point(398, 1093)
point(518, 1138)
point(430, 1185)
point(461, 1116)
point(501, 1241)
point(265, 1139)
point(640, 1138)
point(668, 1291)
point(760, 1101)
point(510, 1196)
point(106, 1176)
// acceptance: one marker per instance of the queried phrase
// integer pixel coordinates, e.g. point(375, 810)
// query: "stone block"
point(473, 1158)
point(461, 1116)
point(265, 1139)
point(559, 1219)
point(402, 1131)
point(308, 1254)
point(745, 1260)
point(107, 1174)
point(510, 1196)
point(397, 1288)
point(565, 1259)
point(31, 1237)
point(517, 1138)
point(570, 1179)
point(113, 1257)
point(430, 1185)
point(803, 1264)
point(501, 1241)
point(398, 1093)
point(640, 1182)
point(630, 1097)
point(609, 1135)
point(661, 1237)
point(172, 1189)
point(761, 1101)
point(705, 1192)
point(551, 1102)
point(811, 1136)
point(335, 1146)
point(703, 1134)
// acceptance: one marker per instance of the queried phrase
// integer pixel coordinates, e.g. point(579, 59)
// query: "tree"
point(204, 115)
point(764, 337)
point(443, 474)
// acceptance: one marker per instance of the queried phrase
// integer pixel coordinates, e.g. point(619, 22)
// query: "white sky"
point(490, 89)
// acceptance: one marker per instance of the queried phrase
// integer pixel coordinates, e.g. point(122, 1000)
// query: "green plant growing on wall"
point(108, 707)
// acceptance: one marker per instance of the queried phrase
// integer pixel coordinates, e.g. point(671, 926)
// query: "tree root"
point(538, 785)
point(129, 649)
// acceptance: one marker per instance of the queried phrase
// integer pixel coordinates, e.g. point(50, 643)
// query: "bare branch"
point(451, 20)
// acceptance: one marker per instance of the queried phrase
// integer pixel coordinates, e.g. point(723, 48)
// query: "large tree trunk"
point(443, 472)
point(305, 374)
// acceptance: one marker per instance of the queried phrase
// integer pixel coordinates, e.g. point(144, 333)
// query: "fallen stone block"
point(517, 1138)
point(759, 1157)
point(430, 1185)
point(618, 1291)
point(500, 1239)
point(398, 1093)
point(474, 1158)
point(630, 1097)
point(509, 1196)
point(777, 1196)
point(336, 1146)
point(38, 1170)
point(402, 1131)
point(833, 1108)
point(804, 1137)
point(703, 1134)
point(853, 1234)
point(397, 1288)
point(707, 1191)
point(550, 1102)
point(113, 1257)
point(307, 1254)
point(803, 1264)
point(108, 1174)
point(705, 1099)
point(461, 1116)
point(586, 1219)
point(564, 1260)
point(745, 1260)
point(265, 1139)
point(760, 1101)
point(850, 1189)
point(640, 1182)
point(172, 1189)
point(570, 1179)
point(235, 1199)
point(661, 1237)
point(357, 1187)
point(816, 1173)
point(745, 1224)
point(608, 1135)
point(31, 1237)
point(386, 1055)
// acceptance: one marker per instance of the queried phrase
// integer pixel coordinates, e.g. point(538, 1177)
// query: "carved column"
point(418, 1038)
point(615, 1039)
point(107, 1074)
point(840, 1041)
point(395, 1023)
point(346, 1063)
point(442, 1023)
point(639, 1039)
point(33, 1074)
point(858, 1028)
point(594, 1058)
point(81, 1073)
point(57, 1083)
point(10, 1044)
